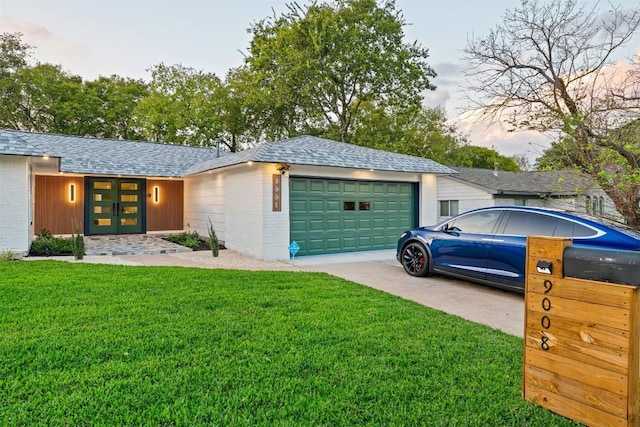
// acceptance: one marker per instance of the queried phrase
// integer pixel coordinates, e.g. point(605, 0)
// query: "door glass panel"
point(128, 221)
point(364, 206)
point(102, 197)
point(102, 185)
point(128, 197)
point(102, 222)
point(102, 209)
point(130, 209)
point(130, 186)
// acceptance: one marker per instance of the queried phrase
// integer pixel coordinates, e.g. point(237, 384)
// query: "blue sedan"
point(488, 245)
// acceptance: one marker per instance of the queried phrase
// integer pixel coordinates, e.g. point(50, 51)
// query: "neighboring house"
point(474, 188)
point(328, 196)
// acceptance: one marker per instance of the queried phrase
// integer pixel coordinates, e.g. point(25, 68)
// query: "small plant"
point(47, 245)
point(6, 256)
point(77, 241)
point(187, 239)
point(213, 240)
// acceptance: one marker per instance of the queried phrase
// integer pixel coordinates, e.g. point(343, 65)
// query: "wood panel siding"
point(167, 212)
point(53, 209)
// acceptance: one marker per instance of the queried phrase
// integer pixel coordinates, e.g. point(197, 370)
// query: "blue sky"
point(126, 37)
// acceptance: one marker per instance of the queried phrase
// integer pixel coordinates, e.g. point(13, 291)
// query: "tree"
point(50, 100)
point(111, 104)
point(13, 58)
point(472, 156)
point(317, 65)
point(423, 132)
point(182, 107)
point(548, 67)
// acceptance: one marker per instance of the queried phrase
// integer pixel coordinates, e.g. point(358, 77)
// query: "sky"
point(94, 38)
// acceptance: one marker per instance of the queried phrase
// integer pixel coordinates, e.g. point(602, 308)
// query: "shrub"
point(77, 241)
point(6, 256)
point(47, 245)
point(213, 240)
point(187, 239)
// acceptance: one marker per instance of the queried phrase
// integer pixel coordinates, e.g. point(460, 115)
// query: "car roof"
point(581, 216)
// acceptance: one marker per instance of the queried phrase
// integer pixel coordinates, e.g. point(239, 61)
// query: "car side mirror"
point(447, 229)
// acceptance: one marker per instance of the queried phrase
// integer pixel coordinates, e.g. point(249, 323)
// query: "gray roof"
point(137, 158)
point(13, 143)
point(552, 183)
point(314, 151)
point(105, 156)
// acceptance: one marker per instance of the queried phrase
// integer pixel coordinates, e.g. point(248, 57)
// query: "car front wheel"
point(415, 259)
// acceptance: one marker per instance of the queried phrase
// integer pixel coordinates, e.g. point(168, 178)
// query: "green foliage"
point(188, 239)
point(315, 66)
point(48, 245)
point(423, 132)
point(481, 157)
point(119, 345)
point(6, 256)
point(182, 106)
point(213, 240)
point(77, 241)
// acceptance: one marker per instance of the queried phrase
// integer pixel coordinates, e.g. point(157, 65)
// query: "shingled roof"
point(137, 158)
point(107, 156)
point(550, 183)
point(314, 151)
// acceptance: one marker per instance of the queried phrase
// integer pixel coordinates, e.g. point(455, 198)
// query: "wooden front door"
point(115, 205)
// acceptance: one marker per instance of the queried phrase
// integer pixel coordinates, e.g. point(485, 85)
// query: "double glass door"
point(115, 205)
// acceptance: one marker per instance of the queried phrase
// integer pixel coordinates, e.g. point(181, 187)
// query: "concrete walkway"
point(498, 309)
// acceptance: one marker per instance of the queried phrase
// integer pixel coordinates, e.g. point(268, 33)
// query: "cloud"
point(48, 46)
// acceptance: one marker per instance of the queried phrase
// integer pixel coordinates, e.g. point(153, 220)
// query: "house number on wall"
point(546, 321)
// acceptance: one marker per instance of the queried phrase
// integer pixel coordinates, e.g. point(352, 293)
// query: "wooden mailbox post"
point(581, 341)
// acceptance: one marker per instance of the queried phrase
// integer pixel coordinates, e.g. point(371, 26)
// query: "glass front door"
point(115, 205)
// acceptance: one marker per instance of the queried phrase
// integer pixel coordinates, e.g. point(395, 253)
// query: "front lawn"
point(84, 344)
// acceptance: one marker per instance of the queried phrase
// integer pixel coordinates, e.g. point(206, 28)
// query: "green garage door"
point(332, 216)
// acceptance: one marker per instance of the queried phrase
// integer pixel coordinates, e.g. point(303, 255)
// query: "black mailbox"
point(602, 265)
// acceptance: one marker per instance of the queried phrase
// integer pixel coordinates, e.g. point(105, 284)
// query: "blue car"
point(488, 245)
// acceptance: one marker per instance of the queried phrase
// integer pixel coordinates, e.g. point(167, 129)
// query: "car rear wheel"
point(415, 259)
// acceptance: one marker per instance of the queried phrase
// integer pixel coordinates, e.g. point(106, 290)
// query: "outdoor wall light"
point(72, 193)
point(283, 167)
point(156, 194)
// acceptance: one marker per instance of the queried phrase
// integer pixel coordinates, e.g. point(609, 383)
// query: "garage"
point(329, 216)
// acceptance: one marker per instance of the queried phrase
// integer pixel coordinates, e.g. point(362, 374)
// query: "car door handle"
point(493, 240)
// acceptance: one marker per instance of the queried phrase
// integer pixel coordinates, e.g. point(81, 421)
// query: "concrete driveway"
point(496, 308)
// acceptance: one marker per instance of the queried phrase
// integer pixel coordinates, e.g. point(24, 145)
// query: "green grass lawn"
point(88, 344)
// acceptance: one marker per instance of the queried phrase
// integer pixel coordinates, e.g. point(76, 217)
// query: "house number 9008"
point(546, 321)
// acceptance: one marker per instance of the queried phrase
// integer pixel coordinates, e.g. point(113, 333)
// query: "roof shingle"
point(137, 158)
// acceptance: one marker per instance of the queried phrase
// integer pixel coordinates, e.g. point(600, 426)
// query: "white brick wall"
point(244, 190)
point(15, 205)
point(240, 203)
point(204, 199)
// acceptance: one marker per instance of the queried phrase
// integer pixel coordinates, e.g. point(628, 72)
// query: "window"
point(519, 202)
point(349, 206)
point(448, 207)
point(587, 204)
point(530, 224)
point(601, 206)
point(364, 206)
point(479, 222)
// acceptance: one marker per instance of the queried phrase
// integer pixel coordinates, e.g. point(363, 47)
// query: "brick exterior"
point(15, 205)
